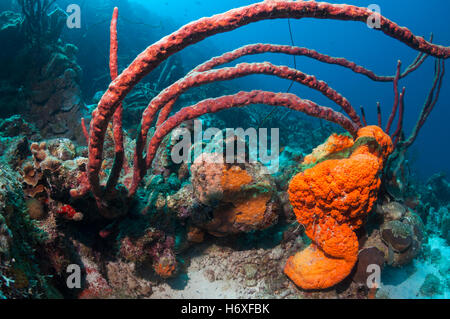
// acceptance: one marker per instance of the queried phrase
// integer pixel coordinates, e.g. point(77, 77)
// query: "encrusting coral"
point(331, 200)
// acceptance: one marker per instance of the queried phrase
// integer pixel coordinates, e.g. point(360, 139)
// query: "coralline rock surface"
point(243, 196)
point(399, 236)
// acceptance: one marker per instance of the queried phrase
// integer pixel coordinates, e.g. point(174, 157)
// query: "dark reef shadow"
point(395, 276)
point(179, 282)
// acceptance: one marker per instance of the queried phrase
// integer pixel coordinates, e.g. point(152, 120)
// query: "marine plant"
point(37, 23)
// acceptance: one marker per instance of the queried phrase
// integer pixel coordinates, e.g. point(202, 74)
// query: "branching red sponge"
point(168, 96)
point(331, 200)
point(166, 99)
point(259, 48)
point(236, 100)
point(117, 121)
point(205, 27)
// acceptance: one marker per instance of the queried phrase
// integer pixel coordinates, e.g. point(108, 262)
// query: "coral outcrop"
point(241, 196)
point(398, 235)
point(40, 78)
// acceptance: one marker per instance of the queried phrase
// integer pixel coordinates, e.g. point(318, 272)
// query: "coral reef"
point(354, 186)
point(137, 222)
point(40, 76)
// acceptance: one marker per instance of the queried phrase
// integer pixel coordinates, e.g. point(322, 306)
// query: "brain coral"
point(331, 200)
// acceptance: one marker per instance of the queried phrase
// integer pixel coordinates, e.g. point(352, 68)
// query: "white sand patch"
point(197, 285)
point(405, 282)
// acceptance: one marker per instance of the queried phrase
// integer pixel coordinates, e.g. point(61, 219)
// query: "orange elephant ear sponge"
point(334, 144)
point(307, 269)
point(331, 200)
